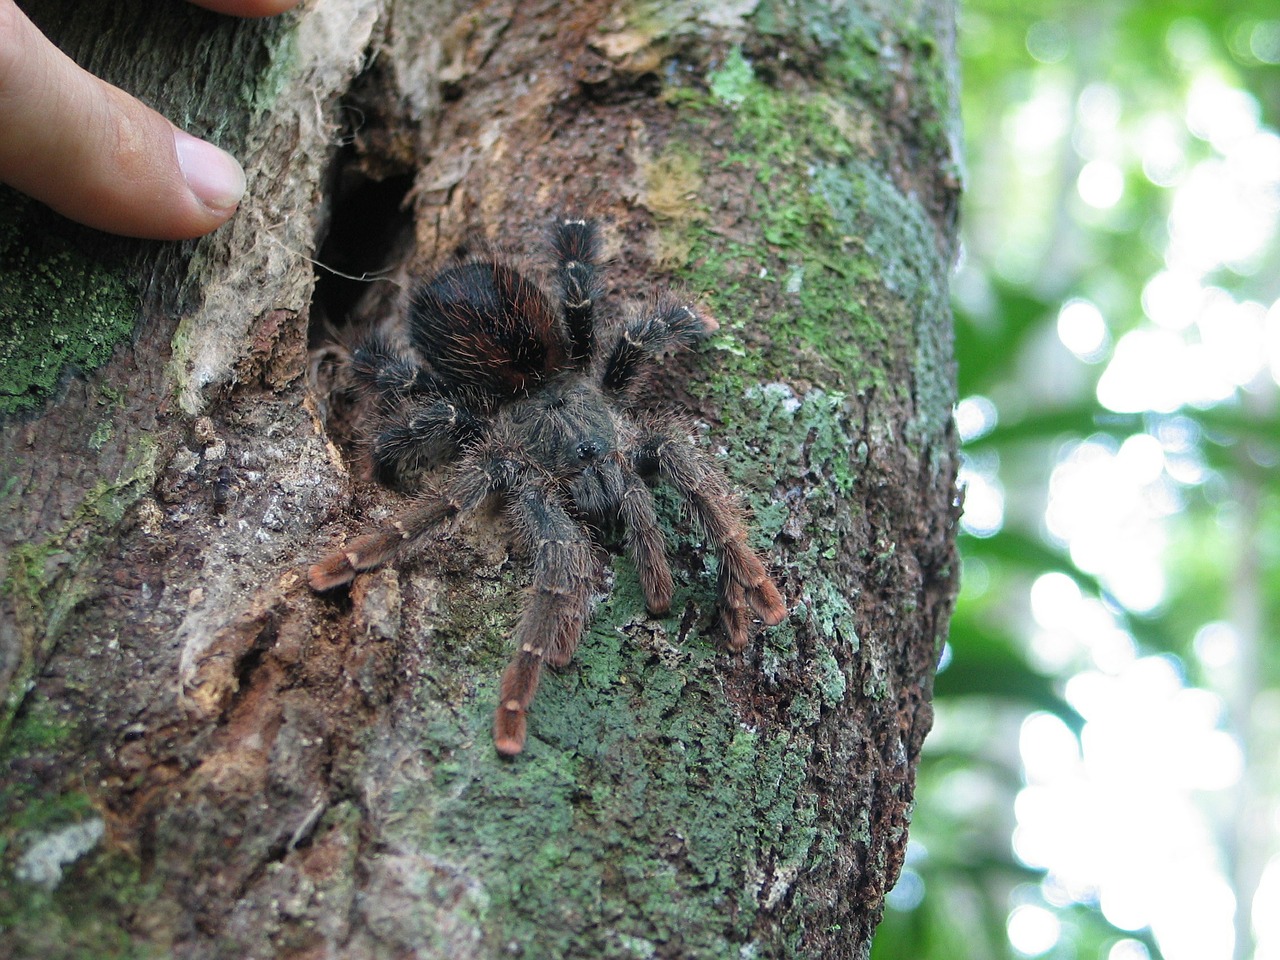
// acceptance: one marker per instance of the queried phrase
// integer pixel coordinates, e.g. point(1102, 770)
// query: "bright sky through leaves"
point(1119, 307)
point(1114, 817)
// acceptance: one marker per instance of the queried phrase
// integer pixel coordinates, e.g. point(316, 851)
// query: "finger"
point(97, 155)
point(247, 8)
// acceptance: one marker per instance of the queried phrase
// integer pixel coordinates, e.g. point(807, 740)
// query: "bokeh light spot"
point(1048, 41)
point(1082, 329)
point(975, 417)
point(1100, 184)
point(1033, 930)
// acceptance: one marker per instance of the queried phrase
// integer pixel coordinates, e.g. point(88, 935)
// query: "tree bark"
point(202, 758)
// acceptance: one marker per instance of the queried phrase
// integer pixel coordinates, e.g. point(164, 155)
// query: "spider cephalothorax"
point(539, 406)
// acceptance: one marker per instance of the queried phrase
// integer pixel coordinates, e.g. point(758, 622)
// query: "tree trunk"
point(203, 758)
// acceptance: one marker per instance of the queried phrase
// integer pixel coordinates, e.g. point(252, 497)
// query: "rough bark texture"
point(201, 758)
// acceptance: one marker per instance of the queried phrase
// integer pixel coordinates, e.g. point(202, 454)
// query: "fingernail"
point(213, 175)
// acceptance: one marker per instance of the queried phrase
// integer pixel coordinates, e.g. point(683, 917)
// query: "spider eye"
point(588, 450)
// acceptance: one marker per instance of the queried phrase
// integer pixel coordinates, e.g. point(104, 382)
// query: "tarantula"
point(541, 405)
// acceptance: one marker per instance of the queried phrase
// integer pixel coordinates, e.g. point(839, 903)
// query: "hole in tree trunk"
point(370, 235)
point(370, 231)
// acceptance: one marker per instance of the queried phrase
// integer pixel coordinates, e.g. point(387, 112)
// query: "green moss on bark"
point(846, 263)
point(69, 907)
point(80, 918)
point(639, 791)
point(263, 87)
point(43, 579)
point(61, 310)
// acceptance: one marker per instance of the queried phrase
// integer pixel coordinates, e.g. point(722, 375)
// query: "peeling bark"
point(286, 775)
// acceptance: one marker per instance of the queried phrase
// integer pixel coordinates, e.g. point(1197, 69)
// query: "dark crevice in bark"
point(368, 226)
point(369, 232)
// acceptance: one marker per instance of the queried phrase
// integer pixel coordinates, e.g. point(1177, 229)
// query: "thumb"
point(97, 155)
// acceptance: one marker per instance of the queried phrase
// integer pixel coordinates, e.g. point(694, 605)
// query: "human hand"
point(97, 155)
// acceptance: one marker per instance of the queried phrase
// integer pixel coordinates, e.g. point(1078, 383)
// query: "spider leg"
point(426, 433)
point(612, 483)
point(381, 369)
point(489, 472)
point(743, 582)
point(556, 611)
point(577, 249)
point(645, 542)
point(661, 328)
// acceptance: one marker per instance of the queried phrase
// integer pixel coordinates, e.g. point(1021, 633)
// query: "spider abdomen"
point(483, 324)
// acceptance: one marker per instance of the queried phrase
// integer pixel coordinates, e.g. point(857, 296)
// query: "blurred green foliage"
point(1032, 244)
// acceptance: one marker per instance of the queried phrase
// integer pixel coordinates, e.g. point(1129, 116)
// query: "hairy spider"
point(542, 406)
